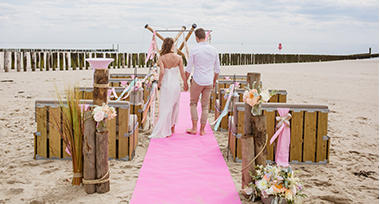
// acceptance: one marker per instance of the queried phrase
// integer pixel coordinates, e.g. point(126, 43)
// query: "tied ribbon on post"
point(153, 48)
point(225, 110)
point(283, 137)
point(207, 35)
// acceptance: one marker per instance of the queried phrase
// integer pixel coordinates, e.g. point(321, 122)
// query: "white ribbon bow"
point(282, 120)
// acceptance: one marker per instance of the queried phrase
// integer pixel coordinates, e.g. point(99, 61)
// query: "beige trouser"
point(195, 91)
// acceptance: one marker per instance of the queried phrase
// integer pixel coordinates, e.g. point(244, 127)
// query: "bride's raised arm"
point(183, 76)
point(162, 71)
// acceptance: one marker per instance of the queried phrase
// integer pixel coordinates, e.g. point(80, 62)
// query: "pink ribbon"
point(68, 149)
point(83, 107)
point(207, 34)
point(227, 78)
point(283, 137)
point(152, 47)
point(123, 83)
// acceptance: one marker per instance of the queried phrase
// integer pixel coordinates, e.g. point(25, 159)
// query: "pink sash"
point(283, 137)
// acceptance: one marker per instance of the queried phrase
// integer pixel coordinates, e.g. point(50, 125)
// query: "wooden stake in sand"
point(254, 139)
point(89, 169)
point(100, 97)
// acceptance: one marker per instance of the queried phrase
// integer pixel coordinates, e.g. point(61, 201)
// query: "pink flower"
point(99, 116)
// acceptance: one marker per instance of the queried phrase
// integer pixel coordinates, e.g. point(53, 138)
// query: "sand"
point(349, 88)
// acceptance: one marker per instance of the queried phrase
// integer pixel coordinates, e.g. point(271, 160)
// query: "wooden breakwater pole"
point(95, 164)
point(253, 142)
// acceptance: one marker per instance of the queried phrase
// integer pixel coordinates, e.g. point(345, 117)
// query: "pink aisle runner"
point(185, 168)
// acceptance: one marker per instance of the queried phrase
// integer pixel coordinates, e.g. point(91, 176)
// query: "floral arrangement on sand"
point(255, 96)
point(275, 184)
point(101, 114)
point(69, 124)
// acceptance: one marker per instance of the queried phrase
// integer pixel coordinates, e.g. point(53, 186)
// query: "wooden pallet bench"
point(123, 131)
point(309, 144)
point(135, 99)
point(220, 103)
point(123, 76)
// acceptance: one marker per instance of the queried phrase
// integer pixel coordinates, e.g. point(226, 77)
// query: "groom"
point(205, 60)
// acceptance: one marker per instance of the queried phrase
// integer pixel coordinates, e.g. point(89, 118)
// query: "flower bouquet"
point(275, 185)
point(255, 96)
point(101, 114)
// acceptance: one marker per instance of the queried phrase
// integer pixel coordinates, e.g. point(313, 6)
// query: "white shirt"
point(205, 58)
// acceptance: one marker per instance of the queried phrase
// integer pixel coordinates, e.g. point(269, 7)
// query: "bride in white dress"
point(170, 89)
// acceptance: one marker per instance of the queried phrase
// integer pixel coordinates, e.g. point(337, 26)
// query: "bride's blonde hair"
point(167, 46)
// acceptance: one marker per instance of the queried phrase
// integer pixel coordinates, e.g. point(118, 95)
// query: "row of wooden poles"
point(21, 61)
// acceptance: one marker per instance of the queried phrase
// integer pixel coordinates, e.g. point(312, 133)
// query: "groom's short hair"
point(200, 33)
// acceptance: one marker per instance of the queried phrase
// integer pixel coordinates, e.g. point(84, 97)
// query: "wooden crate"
point(309, 140)
point(136, 99)
point(280, 97)
point(123, 131)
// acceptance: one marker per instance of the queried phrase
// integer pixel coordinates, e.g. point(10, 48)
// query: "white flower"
point(265, 96)
point(99, 116)
point(262, 184)
point(269, 191)
point(97, 109)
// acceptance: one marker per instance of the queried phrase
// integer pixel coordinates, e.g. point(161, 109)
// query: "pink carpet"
point(185, 168)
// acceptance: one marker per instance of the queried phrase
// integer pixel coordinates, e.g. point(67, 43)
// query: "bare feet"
point(191, 131)
point(173, 129)
point(202, 132)
point(168, 136)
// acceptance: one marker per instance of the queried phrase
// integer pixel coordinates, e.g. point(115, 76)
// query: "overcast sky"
point(254, 26)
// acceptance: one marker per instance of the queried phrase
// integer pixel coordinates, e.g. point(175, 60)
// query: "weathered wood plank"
point(309, 137)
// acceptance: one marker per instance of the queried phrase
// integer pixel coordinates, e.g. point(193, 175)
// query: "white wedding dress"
point(169, 103)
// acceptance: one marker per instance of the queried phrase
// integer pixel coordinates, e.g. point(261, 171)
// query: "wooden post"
point(6, 61)
point(18, 61)
point(42, 60)
point(179, 34)
point(188, 35)
point(259, 128)
point(247, 140)
point(85, 62)
point(129, 60)
point(123, 60)
point(61, 60)
point(100, 96)
point(80, 56)
point(37, 59)
point(34, 62)
point(13, 60)
point(25, 61)
point(48, 59)
point(67, 60)
point(89, 169)
point(54, 60)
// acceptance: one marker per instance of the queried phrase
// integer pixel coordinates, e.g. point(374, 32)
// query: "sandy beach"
point(349, 88)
